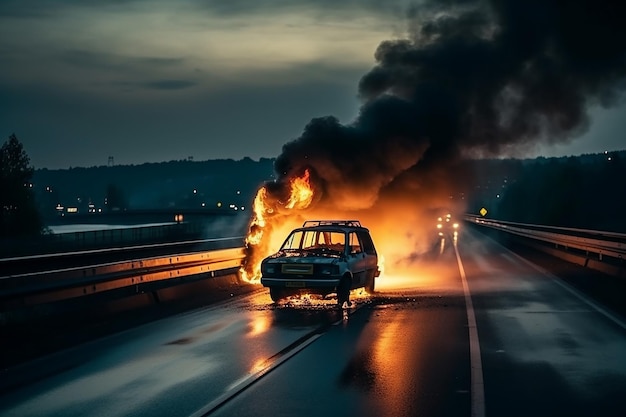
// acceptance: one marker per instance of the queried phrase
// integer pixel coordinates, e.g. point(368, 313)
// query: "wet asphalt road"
point(543, 350)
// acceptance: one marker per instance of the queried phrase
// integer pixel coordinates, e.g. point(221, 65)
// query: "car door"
point(357, 260)
point(371, 257)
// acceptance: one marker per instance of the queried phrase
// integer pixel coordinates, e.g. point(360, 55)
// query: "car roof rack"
point(348, 223)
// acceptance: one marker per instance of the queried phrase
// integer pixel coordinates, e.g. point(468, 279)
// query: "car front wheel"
point(276, 294)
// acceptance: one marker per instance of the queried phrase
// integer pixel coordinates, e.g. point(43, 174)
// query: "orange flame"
point(266, 217)
point(301, 193)
point(260, 209)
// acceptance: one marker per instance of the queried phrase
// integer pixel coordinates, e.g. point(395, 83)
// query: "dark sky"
point(150, 81)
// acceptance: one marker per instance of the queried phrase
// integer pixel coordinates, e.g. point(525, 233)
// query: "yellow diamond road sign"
point(483, 211)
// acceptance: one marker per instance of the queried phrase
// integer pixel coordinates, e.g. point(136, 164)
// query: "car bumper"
point(300, 283)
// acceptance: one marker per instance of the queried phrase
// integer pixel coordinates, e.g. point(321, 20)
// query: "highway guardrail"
point(592, 245)
point(28, 289)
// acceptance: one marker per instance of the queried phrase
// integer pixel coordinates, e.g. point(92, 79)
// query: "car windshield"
point(315, 240)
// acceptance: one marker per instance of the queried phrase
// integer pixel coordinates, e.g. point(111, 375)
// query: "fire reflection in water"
point(392, 369)
point(259, 324)
point(384, 372)
point(259, 365)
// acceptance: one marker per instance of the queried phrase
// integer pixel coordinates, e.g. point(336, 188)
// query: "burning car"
point(322, 257)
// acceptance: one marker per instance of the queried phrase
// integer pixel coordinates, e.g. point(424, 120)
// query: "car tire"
point(343, 291)
point(276, 294)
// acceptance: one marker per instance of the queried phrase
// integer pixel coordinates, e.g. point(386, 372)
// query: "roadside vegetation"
point(587, 191)
point(19, 216)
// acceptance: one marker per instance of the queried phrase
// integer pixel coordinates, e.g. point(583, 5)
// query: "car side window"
point(293, 241)
point(368, 244)
point(355, 244)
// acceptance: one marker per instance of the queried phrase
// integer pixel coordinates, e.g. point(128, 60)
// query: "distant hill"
point(185, 184)
point(586, 191)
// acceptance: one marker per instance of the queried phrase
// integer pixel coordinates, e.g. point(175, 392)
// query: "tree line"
point(587, 191)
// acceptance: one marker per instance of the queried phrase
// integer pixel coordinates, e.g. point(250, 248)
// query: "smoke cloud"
point(472, 78)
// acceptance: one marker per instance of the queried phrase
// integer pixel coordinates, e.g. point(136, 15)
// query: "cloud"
point(92, 45)
point(257, 61)
point(108, 60)
point(62, 128)
point(170, 84)
point(320, 7)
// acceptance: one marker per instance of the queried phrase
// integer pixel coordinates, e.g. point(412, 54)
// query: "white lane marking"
point(478, 388)
point(582, 297)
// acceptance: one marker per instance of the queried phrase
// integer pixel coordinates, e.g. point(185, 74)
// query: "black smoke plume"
point(472, 78)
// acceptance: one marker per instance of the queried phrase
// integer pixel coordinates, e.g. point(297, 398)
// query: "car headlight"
point(328, 269)
point(268, 268)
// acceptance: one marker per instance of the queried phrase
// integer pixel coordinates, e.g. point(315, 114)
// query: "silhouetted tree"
point(19, 215)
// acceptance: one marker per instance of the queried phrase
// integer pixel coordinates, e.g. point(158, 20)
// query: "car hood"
point(302, 257)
